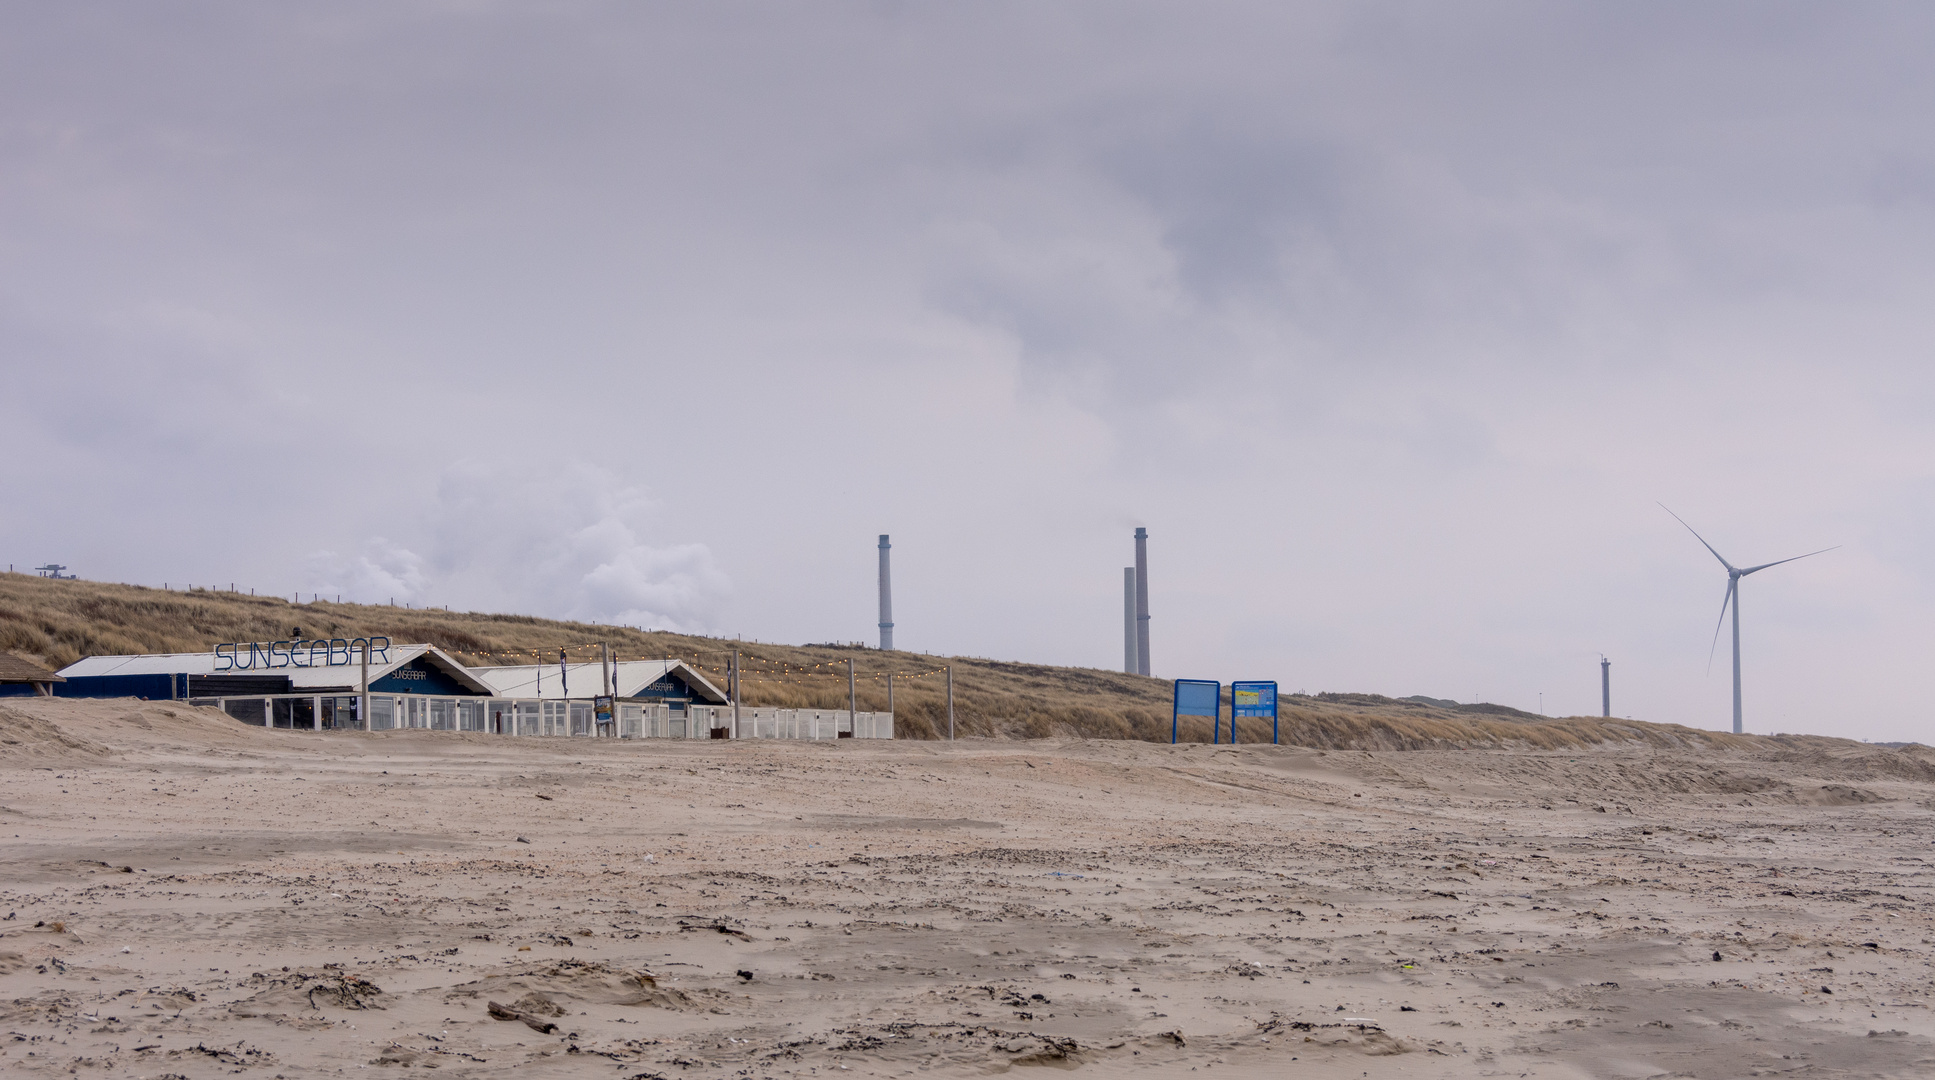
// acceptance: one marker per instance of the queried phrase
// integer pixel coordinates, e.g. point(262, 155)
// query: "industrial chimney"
point(1129, 650)
point(1605, 688)
point(886, 597)
point(1142, 601)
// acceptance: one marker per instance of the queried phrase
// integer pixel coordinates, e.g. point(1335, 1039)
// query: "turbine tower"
point(1734, 574)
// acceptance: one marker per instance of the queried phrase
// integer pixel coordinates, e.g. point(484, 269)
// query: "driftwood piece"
point(720, 927)
point(505, 1012)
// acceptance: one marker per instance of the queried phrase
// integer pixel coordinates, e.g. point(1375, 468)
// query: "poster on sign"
point(1258, 699)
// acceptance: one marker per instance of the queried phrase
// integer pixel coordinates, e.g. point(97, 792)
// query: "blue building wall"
point(152, 687)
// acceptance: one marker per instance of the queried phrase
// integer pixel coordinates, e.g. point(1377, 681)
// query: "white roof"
point(584, 680)
point(146, 664)
point(300, 678)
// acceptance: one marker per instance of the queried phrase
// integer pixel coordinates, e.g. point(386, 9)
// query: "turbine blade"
point(1764, 566)
point(1732, 584)
point(1697, 536)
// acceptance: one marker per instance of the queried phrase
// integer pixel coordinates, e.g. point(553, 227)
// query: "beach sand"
point(183, 896)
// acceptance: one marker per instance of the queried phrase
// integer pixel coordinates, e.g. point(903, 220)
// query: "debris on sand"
point(717, 926)
point(537, 1004)
point(282, 993)
point(535, 1023)
point(588, 982)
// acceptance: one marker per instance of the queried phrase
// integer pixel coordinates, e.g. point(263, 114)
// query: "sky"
point(1395, 324)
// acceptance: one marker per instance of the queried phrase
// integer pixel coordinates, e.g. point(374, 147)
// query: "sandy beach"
point(183, 896)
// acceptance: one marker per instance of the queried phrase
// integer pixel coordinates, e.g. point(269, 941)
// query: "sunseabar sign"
point(302, 653)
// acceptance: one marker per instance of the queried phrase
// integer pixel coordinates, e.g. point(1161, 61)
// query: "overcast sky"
point(1392, 323)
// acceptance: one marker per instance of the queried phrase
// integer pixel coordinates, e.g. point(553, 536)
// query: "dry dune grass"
point(61, 621)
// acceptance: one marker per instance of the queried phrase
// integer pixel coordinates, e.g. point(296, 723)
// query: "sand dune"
point(185, 896)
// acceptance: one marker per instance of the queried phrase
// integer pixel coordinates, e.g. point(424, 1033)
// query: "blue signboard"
point(1253, 699)
point(1196, 697)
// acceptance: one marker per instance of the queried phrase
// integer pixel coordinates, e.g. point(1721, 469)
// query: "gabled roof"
point(630, 679)
point(403, 654)
point(18, 669)
point(300, 678)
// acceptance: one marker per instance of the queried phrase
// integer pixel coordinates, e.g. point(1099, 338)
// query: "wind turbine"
point(1734, 574)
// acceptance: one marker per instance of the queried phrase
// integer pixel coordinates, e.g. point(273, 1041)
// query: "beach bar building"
point(299, 684)
point(328, 685)
point(651, 698)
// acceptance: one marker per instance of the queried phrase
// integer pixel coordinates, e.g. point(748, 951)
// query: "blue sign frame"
point(1192, 697)
point(1265, 704)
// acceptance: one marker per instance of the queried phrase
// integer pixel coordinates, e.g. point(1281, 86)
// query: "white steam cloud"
point(382, 572)
point(570, 544)
point(573, 544)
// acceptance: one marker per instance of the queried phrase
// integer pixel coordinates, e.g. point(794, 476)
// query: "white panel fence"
point(518, 716)
point(702, 720)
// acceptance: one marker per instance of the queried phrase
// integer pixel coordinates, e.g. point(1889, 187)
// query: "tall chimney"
point(1605, 688)
point(1142, 601)
point(886, 597)
point(1129, 650)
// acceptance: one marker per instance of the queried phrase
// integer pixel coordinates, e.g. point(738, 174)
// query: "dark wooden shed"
point(21, 677)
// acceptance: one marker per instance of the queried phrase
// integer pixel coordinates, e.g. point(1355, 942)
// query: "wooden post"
point(734, 683)
point(363, 719)
point(849, 696)
point(950, 703)
point(315, 713)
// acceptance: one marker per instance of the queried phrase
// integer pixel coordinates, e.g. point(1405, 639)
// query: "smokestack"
point(1129, 651)
point(1142, 601)
point(886, 597)
point(1605, 688)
